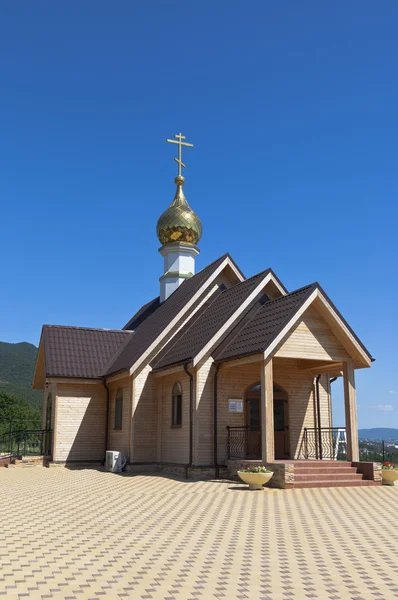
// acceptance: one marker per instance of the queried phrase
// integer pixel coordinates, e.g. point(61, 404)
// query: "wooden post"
point(350, 403)
point(267, 413)
point(133, 389)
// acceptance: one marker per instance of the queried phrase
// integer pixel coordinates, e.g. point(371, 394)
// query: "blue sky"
point(292, 110)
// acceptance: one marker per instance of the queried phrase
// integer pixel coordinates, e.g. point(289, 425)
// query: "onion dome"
point(179, 223)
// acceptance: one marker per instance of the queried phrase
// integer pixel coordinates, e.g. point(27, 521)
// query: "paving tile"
point(88, 535)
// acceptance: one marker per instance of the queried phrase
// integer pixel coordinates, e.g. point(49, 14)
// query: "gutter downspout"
point(190, 419)
point(215, 416)
point(106, 417)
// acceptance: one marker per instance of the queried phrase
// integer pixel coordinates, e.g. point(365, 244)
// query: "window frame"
point(176, 406)
point(118, 421)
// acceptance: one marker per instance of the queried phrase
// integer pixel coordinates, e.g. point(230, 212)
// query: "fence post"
point(384, 455)
point(305, 444)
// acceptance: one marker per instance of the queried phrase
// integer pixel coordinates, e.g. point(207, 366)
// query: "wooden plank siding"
point(174, 445)
point(204, 422)
point(80, 426)
point(119, 439)
point(312, 338)
point(145, 414)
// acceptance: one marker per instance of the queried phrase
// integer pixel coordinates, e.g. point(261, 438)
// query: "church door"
point(281, 422)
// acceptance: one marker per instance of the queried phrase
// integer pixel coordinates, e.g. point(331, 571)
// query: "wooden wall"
point(174, 441)
point(119, 439)
point(80, 425)
point(145, 417)
point(312, 338)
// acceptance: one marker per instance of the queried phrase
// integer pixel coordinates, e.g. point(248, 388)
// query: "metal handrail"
point(324, 443)
point(26, 441)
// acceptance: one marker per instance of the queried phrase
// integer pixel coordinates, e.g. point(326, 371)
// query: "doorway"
point(281, 421)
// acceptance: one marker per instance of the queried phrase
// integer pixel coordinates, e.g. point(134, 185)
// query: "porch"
point(285, 422)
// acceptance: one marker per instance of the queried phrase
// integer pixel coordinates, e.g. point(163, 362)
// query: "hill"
point(17, 365)
point(378, 433)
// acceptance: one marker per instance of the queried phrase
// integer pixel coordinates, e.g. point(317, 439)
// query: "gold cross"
point(180, 143)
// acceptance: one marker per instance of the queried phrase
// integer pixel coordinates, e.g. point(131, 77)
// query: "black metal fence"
point(26, 442)
point(243, 442)
point(325, 443)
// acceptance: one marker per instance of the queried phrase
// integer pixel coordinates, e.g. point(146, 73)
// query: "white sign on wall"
point(235, 406)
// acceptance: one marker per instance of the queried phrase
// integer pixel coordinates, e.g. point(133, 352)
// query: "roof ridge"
point(87, 328)
point(233, 287)
point(289, 294)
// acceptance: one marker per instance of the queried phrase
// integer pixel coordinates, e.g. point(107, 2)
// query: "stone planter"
point(390, 477)
point(255, 480)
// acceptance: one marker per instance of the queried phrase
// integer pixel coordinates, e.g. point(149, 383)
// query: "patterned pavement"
point(87, 534)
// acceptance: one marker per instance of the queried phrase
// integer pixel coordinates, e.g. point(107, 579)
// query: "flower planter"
point(255, 480)
point(390, 476)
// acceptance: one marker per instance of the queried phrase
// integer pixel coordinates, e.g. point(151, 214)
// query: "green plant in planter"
point(258, 469)
point(389, 466)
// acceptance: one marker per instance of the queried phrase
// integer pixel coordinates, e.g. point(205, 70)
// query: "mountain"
point(378, 433)
point(17, 365)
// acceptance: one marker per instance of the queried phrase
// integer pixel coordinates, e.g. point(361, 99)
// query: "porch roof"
point(260, 329)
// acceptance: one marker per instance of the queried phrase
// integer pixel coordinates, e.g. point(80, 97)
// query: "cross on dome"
point(180, 144)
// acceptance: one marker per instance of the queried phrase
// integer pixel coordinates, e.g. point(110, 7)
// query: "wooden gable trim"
point(227, 262)
point(338, 327)
point(266, 279)
point(341, 331)
point(39, 377)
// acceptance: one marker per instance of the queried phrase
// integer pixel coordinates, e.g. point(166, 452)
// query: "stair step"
point(315, 470)
point(316, 463)
point(335, 483)
point(327, 477)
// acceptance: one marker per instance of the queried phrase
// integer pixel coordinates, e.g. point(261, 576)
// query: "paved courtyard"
point(87, 534)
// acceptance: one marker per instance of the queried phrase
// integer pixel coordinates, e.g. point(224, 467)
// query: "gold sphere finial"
point(179, 180)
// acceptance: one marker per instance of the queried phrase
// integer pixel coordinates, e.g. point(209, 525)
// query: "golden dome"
point(179, 223)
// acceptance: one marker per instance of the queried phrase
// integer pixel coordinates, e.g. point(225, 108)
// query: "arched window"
point(119, 409)
point(176, 406)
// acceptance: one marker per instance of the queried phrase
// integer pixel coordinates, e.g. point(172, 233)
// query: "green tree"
point(19, 412)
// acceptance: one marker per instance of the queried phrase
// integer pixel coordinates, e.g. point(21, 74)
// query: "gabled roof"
point(142, 314)
point(79, 351)
point(258, 332)
point(205, 323)
point(155, 324)
point(254, 334)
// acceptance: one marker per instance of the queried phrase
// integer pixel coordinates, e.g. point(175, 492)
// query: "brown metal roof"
point(255, 333)
point(142, 314)
point(258, 330)
point(153, 326)
point(206, 323)
point(79, 351)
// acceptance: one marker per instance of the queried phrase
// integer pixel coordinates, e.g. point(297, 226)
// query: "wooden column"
point(131, 420)
point(267, 413)
point(350, 403)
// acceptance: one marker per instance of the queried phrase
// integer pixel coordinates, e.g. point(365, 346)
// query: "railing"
point(328, 443)
point(26, 442)
point(243, 442)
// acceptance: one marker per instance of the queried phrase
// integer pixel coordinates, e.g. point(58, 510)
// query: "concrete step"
point(328, 469)
point(328, 476)
point(335, 483)
point(317, 463)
